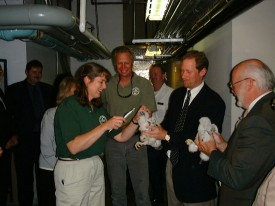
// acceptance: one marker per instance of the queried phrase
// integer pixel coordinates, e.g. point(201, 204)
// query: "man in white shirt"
point(156, 157)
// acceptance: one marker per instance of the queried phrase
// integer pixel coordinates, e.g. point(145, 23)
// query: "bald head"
point(256, 70)
point(249, 80)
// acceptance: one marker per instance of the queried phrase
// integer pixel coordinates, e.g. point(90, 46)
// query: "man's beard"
point(240, 97)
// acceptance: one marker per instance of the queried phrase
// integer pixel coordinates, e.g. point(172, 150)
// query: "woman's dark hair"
point(91, 70)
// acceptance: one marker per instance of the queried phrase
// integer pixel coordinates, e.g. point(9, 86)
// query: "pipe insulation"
point(56, 22)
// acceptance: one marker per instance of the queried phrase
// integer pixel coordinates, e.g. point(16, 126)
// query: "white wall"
point(217, 48)
point(253, 37)
point(110, 20)
point(18, 53)
point(15, 52)
point(249, 35)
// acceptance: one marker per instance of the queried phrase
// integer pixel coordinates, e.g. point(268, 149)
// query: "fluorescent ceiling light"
point(178, 40)
point(155, 9)
point(153, 51)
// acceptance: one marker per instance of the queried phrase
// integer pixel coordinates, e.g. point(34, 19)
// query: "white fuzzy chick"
point(145, 121)
point(205, 130)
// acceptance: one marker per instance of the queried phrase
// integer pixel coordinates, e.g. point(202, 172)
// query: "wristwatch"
point(167, 137)
point(134, 122)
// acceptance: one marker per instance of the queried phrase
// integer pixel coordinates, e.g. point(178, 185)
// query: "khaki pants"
point(80, 182)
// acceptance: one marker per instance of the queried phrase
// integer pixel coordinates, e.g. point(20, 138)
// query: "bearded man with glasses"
point(242, 164)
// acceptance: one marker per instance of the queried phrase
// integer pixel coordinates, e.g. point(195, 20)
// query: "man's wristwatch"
point(134, 122)
point(167, 137)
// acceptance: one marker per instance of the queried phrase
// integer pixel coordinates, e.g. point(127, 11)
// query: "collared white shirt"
point(194, 92)
point(162, 98)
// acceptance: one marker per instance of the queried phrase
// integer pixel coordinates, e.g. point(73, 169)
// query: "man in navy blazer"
point(242, 164)
point(187, 181)
point(27, 101)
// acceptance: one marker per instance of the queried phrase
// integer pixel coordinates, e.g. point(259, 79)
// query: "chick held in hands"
point(205, 131)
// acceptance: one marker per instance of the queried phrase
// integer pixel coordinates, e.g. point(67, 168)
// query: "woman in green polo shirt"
point(81, 128)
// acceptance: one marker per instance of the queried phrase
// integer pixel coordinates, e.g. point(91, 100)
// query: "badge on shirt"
point(135, 91)
point(102, 119)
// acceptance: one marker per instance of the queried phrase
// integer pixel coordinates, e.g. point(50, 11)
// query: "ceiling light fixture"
point(155, 9)
point(152, 51)
point(177, 40)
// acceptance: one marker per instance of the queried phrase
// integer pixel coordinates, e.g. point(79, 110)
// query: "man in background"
point(156, 158)
point(126, 91)
point(242, 164)
point(27, 101)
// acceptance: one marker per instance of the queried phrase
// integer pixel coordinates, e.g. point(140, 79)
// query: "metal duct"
point(10, 35)
point(59, 29)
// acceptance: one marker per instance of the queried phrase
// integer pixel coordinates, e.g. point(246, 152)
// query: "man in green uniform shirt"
point(126, 91)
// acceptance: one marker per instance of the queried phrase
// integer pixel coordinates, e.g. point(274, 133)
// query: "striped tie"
point(182, 116)
point(174, 156)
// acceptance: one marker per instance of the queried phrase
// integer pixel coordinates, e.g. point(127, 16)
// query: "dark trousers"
point(47, 188)
point(156, 159)
point(26, 162)
point(5, 177)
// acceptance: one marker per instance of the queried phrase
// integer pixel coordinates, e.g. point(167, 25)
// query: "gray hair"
point(261, 73)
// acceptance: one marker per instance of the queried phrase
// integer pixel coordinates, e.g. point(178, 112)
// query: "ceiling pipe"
point(82, 16)
point(54, 21)
point(10, 35)
point(52, 43)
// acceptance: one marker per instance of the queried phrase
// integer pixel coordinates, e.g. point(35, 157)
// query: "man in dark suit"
point(26, 101)
point(7, 141)
point(242, 163)
point(187, 179)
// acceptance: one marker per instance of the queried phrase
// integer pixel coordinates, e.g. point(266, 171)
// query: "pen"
point(126, 115)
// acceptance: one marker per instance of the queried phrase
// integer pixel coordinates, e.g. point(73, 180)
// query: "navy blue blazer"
point(20, 106)
point(191, 182)
point(249, 156)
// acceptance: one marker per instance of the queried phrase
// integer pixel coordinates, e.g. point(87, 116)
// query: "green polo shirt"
point(72, 119)
point(142, 94)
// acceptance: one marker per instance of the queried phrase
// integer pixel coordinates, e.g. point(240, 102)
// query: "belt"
point(67, 159)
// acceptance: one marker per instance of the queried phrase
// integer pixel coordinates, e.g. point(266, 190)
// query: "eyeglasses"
point(232, 84)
